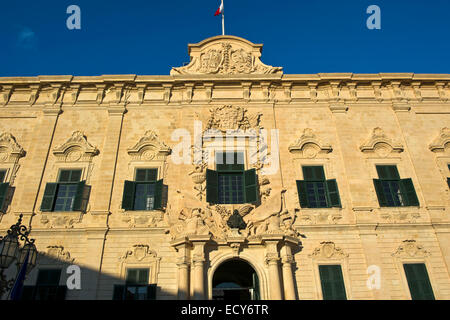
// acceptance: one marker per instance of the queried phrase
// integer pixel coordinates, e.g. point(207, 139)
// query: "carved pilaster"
point(209, 90)
point(6, 93)
point(189, 89)
point(35, 88)
point(167, 92)
point(141, 92)
point(313, 91)
point(417, 92)
point(353, 91)
point(287, 86)
point(376, 85)
point(246, 86)
point(100, 93)
point(442, 87)
point(75, 91)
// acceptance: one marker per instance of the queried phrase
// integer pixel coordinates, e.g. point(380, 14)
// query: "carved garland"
point(328, 250)
point(410, 249)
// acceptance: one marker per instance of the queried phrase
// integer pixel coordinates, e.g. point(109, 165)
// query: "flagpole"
point(223, 19)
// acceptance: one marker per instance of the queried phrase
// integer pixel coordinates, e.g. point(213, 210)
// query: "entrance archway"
point(235, 280)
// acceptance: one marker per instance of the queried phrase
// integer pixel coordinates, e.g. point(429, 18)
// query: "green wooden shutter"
point(388, 172)
point(418, 281)
point(78, 201)
point(334, 200)
point(251, 186)
point(158, 194)
point(257, 295)
point(380, 194)
point(4, 187)
point(333, 287)
point(118, 292)
point(409, 193)
point(313, 173)
point(151, 292)
point(448, 182)
point(302, 195)
point(48, 200)
point(212, 186)
point(128, 195)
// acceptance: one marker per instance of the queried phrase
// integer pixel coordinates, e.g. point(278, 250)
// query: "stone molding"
point(309, 146)
point(380, 144)
point(442, 142)
point(411, 249)
point(76, 148)
point(328, 250)
point(149, 147)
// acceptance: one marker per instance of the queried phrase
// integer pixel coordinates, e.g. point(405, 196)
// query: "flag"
point(16, 291)
point(220, 10)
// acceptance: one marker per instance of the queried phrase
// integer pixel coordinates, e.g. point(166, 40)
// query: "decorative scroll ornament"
point(442, 141)
point(328, 250)
point(308, 145)
point(76, 148)
point(58, 253)
point(410, 249)
point(225, 55)
point(139, 253)
point(10, 150)
point(149, 147)
point(381, 144)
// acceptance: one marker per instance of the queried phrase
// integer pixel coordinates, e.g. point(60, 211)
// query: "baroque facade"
point(351, 191)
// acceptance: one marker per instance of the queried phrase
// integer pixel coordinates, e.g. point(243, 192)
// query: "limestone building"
point(230, 179)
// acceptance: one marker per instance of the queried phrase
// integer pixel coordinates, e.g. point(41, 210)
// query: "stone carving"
point(139, 252)
point(442, 142)
point(76, 148)
point(328, 250)
point(152, 220)
point(235, 221)
point(410, 249)
point(149, 147)
point(308, 145)
point(67, 221)
point(198, 176)
point(380, 144)
point(320, 217)
point(400, 217)
point(225, 55)
point(232, 118)
point(57, 252)
point(10, 150)
point(266, 219)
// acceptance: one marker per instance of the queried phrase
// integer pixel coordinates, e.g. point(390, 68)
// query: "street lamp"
point(10, 251)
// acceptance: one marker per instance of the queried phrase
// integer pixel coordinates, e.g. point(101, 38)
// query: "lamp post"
point(11, 251)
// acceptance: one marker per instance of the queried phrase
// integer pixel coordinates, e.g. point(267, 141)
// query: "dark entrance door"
point(235, 280)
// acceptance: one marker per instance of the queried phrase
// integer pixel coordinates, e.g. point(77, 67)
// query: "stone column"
point(199, 266)
point(272, 259)
point(288, 276)
point(182, 247)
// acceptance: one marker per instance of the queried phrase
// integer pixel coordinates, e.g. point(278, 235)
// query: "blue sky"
point(149, 37)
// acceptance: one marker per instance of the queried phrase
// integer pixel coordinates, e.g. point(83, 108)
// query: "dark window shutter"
point(48, 200)
point(334, 200)
point(128, 195)
point(151, 292)
point(418, 281)
point(118, 292)
point(257, 295)
point(388, 172)
point(333, 287)
point(4, 187)
point(302, 195)
point(448, 182)
point(212, 186)
point(158, 194)
point(78, 201)
point(61, 293)
point(313, 173)
point(27, 293)
point(251, 186)
point(409, 193)
point(380, 194)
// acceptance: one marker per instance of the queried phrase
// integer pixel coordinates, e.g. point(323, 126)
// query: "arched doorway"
point(235, 280)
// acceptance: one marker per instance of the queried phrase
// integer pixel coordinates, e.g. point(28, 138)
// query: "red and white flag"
point(220, 10)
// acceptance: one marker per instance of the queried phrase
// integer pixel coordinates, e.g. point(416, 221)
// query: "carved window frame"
point(401, 259)
point(150, 261)
point(440, 146)
point(317, 261)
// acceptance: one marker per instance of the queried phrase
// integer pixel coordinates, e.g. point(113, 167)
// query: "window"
point(393, 191)
point(136, 286)
point(418, 281)
point(231, 183)
point(317, 192)
point(333, 287)
point(4, 190)
point(47, 287)
point(145, 193)
point(448, 179)
point(69, 194)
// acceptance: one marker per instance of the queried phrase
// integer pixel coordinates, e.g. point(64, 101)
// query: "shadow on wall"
point(57, 276)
